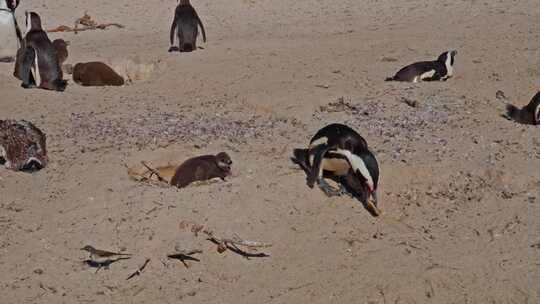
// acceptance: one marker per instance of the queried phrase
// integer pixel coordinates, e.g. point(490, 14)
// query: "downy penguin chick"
point(440, 69)
point(202, 168)
point(60, 47)
point(96, 74)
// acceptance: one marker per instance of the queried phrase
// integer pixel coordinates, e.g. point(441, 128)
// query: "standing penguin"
point(10, 35)
point(185, 23)
point(39, 61)
point(337, 151)
point(440, 69)
point(529, 114)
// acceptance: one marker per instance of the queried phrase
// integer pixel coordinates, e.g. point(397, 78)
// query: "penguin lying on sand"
point(440, 69)
point(340, 153)
point(202, 168)
point(529, 114)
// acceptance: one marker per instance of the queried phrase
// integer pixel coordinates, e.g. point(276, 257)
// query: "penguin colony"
point(335, 152)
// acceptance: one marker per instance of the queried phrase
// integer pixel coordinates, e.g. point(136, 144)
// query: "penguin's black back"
point(534, 107)
point(343, 137)
point(46, 53)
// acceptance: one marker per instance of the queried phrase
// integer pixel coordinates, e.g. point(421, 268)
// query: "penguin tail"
point(512, 111)
point(187, 47)
point(393, 78)
point(60, 85)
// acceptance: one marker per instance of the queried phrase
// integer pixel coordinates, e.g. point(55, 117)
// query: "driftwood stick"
point(154, 172)
point(139, 270)
point(185, 255)
point(65, 28)
point(236, 241)
point(232, 244)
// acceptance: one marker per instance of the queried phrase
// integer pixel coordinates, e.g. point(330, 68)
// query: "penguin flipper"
point(300, 157)
point(316, 168)
point(512, 112)
point(173, 29)
point(25, 68)
point(202, 28)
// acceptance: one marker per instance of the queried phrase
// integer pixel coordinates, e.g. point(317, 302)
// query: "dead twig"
point(195, 228)
point(65, 28)
point(236, 240)
point(153, 172)
point(139, 270)
point(185, 255)
point(233, 243)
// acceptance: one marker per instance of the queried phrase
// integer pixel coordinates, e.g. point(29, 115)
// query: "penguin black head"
point(448, 59)
point(449, 55)
point(224, 161)
point(33, 21)
point(362, 182)
point(12, 4)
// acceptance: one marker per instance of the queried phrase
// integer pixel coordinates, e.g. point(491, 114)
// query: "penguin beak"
point(374, 197)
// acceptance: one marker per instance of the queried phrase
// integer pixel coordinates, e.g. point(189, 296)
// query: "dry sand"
point(459, 188)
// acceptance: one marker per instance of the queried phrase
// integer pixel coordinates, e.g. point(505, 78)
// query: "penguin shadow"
point(98, 265)
point(351, 184)
point(177, 49)
point(7, 59)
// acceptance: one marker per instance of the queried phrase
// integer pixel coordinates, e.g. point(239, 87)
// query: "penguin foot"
point(327, 189)
point(174, 49)
point(27, 85)
point(343, 191)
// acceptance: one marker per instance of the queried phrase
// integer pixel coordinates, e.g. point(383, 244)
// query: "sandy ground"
point(459, 188)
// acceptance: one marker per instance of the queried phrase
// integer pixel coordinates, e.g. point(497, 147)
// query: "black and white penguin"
point(337, 151)
point(186, 23)
point(529, 114)
point(39, 61)
point(440, 69)
point(10, 34)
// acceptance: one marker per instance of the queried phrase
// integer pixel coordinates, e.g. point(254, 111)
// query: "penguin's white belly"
point(338, 166)
point(427, 74)
point(35, 69)
point(8, 36)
